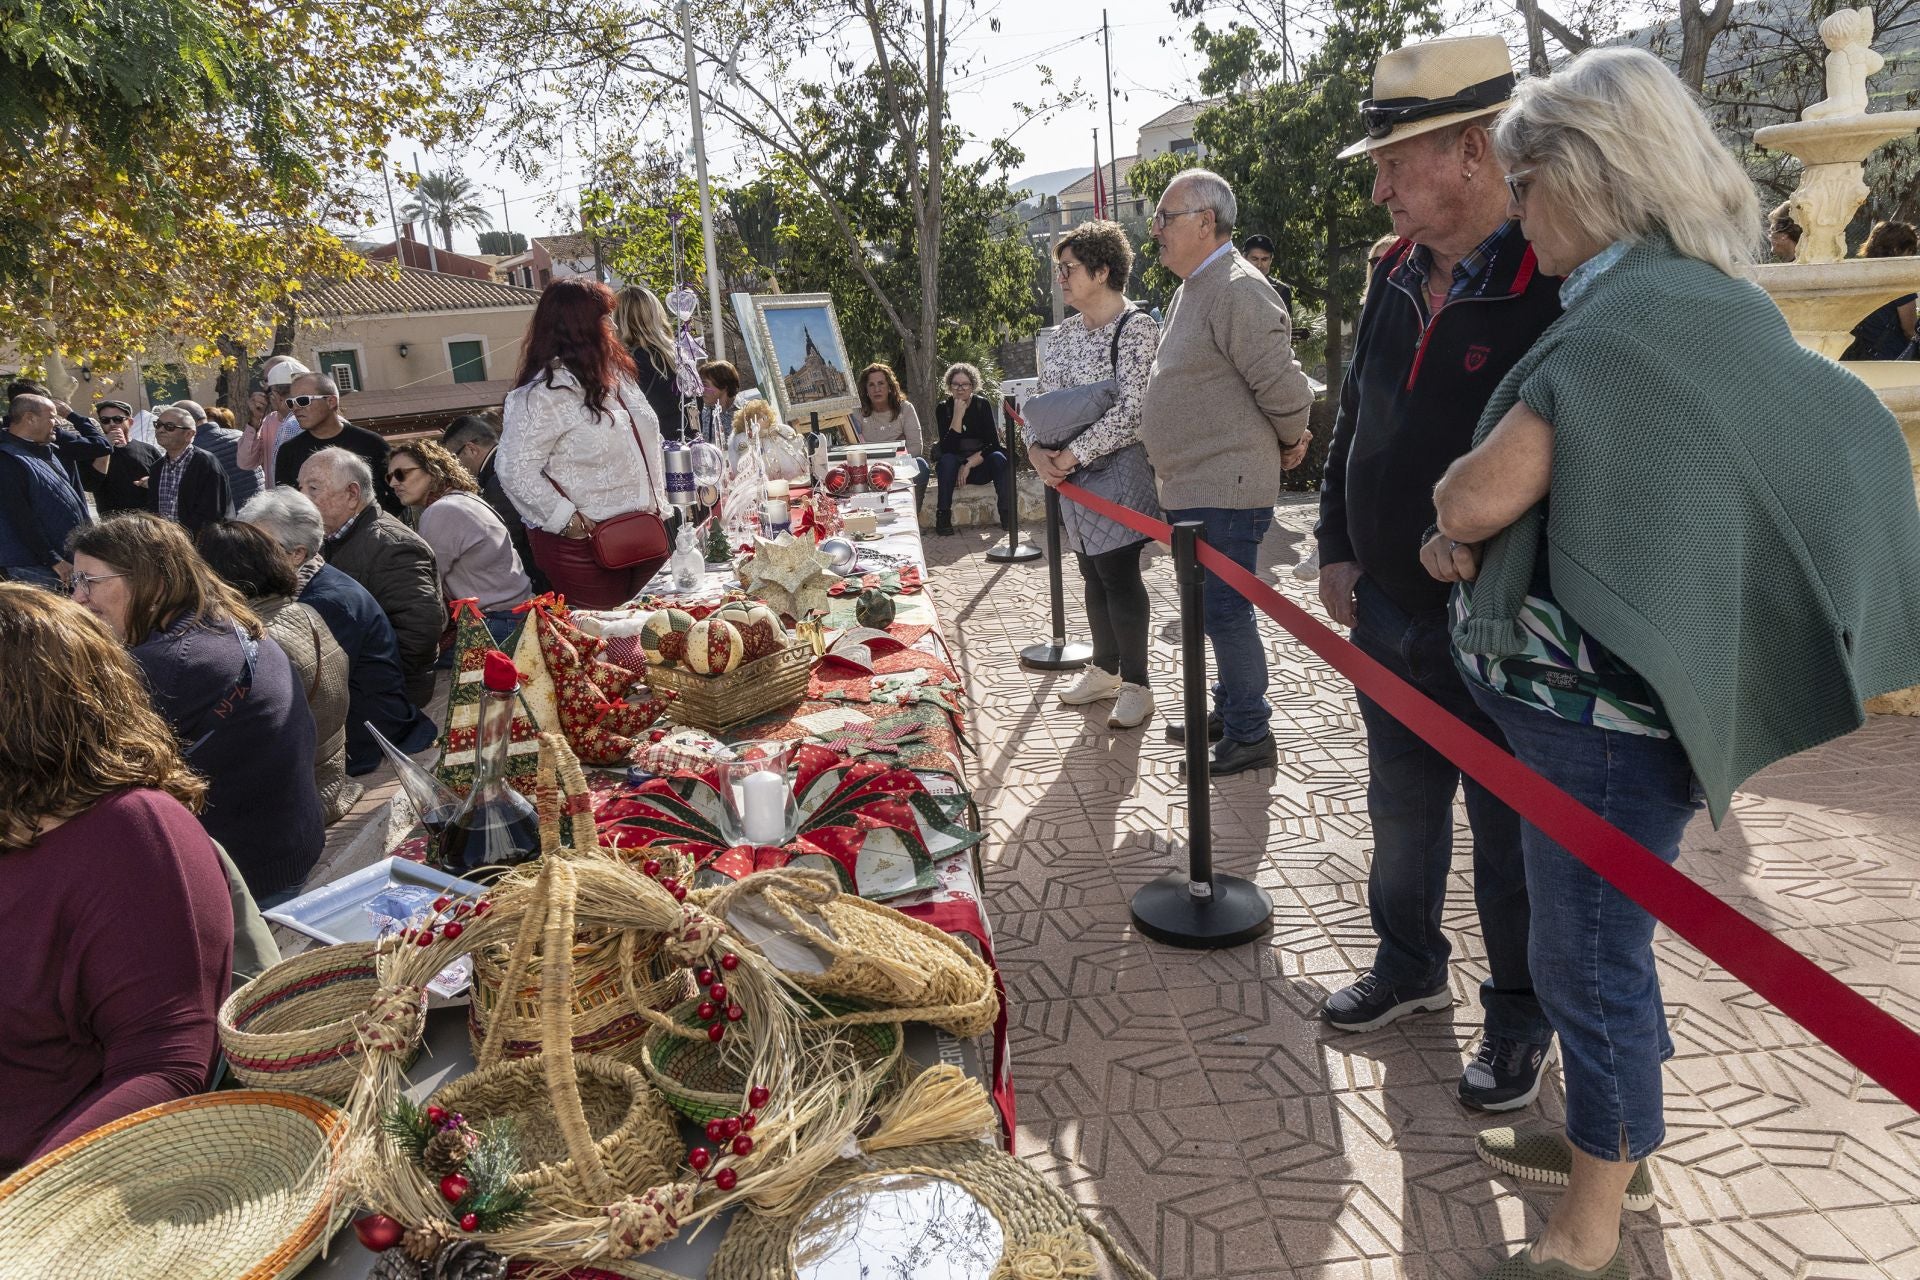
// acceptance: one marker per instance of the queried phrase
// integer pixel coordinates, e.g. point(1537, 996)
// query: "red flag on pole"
point(1099, 180)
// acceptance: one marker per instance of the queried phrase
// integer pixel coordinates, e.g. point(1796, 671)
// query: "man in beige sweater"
point(1225, 414)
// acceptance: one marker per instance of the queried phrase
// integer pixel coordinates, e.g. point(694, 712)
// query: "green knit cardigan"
point(1730, 514)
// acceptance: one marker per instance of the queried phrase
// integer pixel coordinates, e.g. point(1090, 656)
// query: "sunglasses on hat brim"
point(1381, 115)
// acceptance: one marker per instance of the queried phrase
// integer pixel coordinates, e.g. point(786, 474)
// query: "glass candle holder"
point(758, 791)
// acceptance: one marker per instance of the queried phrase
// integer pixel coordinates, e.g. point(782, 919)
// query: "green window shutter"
point(469, 360)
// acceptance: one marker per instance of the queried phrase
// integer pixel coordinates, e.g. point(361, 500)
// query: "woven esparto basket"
point(717, 703)
point(222, 1186)
point(297, 1026)
point(604, 1021)
point(630, 1124)
point(897, 968)
point(704, 1081)
point(605, 967)
point(1047, 1236)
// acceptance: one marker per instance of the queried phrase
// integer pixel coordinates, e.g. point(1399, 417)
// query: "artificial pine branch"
point(490, 1167)
point(406, 1123)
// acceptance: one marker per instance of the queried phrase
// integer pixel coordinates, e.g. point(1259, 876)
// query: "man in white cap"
point(260, 440)
point(1449, 309)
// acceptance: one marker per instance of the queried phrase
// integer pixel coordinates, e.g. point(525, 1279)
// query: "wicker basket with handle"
point(300, 1025)
point(611, 969)
point(717, 703)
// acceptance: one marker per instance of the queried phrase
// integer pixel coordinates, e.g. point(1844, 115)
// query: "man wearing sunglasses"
point(314, 400)
point(188, 486)
point(118, 481)
point(1449, 309)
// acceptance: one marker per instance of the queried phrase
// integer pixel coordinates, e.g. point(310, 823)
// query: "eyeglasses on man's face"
point(1161, 217)
point(83, 583)
point(301, 402)
point(115, 421)
point(172, 426)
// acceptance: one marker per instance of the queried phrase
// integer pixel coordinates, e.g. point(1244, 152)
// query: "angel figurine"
point(1848, 33)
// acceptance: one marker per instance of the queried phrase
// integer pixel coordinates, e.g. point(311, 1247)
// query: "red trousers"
point(575, 574)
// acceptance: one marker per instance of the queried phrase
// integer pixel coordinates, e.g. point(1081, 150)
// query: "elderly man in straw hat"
point(1449, 309)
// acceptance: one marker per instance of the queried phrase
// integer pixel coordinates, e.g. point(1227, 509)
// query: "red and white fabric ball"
point(663, 639)
point(715, 647)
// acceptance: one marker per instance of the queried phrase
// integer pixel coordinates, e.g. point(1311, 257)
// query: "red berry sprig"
point(469, 1222)
point(453, 1187)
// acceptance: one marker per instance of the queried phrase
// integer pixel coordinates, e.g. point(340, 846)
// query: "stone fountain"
point(1823, 293)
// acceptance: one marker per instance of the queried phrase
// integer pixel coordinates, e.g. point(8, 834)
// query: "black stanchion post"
point(1198, 908)
point(1016, 549)
point(1056, 654)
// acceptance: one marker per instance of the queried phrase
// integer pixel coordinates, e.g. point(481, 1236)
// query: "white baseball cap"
point(282, 372)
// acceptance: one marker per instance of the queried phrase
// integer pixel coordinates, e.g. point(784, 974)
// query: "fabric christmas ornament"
point(460, 725)
point(876, 827)
point(598, 725)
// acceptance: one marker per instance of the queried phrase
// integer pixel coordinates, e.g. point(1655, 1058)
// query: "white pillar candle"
point(763, 808)
point(780, 489)
point(856, 457)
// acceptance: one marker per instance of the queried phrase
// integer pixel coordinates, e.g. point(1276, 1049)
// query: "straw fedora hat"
point(1429, 86)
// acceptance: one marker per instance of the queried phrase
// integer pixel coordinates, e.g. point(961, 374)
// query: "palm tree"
point(445, 200)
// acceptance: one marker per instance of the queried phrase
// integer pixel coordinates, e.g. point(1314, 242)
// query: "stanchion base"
point(1010, 552)
point(1239, 911)
point(1057, 657)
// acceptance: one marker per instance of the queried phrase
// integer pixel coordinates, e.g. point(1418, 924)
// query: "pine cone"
point(396, 1265)
point(468, 1260)
point(447, 1151)
point(423, 1242)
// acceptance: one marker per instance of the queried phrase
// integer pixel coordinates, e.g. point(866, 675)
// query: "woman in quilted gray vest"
point(1109, 341)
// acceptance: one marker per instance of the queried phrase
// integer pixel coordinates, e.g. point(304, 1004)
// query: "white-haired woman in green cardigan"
point(1687, 548)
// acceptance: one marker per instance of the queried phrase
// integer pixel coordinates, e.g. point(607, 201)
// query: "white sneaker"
point(1133, 708)
point(1094, 685)
point(1309, 568)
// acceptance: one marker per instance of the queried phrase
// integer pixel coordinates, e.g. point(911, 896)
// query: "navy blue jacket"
point(41, 502)
point(376, 687)
point(252, 737)
point(1411, 400)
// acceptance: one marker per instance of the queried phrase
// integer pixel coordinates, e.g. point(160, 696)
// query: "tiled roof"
point(1083, 189)
point(412, 290)
point(461, 397)
point(1185, 113)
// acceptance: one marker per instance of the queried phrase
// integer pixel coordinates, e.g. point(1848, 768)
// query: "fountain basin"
point(1823, 301)
point(1845, 140)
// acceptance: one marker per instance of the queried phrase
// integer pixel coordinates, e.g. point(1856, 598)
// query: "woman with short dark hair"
point(221, 681)
point(251, 563)
point(119, 921)
point(579, 444)
point(1109, 340)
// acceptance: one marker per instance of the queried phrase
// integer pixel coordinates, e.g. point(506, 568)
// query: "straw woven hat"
point(1429, 86)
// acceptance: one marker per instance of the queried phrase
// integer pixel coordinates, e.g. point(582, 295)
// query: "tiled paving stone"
point(1192, 1101)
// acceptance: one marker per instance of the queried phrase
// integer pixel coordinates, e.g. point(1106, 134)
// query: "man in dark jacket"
point(376, 686)
point(391, 561)
point(1449, 309)
point(118, 481)
point(475, 441)
point(41, 496)
point(188, 485)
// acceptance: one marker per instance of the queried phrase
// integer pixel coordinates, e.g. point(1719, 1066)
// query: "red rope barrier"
point(1873, 1040)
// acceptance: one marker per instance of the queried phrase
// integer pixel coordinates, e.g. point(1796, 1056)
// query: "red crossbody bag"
point(622, 541)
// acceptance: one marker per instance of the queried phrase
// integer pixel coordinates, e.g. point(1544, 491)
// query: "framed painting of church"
point(800, 336)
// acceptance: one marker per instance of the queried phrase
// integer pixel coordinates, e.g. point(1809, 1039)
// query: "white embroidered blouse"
point(547, 432)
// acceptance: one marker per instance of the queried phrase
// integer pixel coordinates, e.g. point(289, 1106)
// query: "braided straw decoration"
point(903, 969)
point(561, 794)
point(594, 1205)
point(1048, 1236)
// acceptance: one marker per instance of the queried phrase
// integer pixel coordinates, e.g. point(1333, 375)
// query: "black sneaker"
point(1507, 1074)
point(944, 528)
point(1371, 1003)
point(1216, 729)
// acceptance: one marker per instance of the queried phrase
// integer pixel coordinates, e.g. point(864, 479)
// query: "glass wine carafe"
point(495, 827)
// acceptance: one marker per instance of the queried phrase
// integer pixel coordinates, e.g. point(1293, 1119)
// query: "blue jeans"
point(993, 467)
point(1593, 948)
point(1410, 790)
point(1239, 655)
